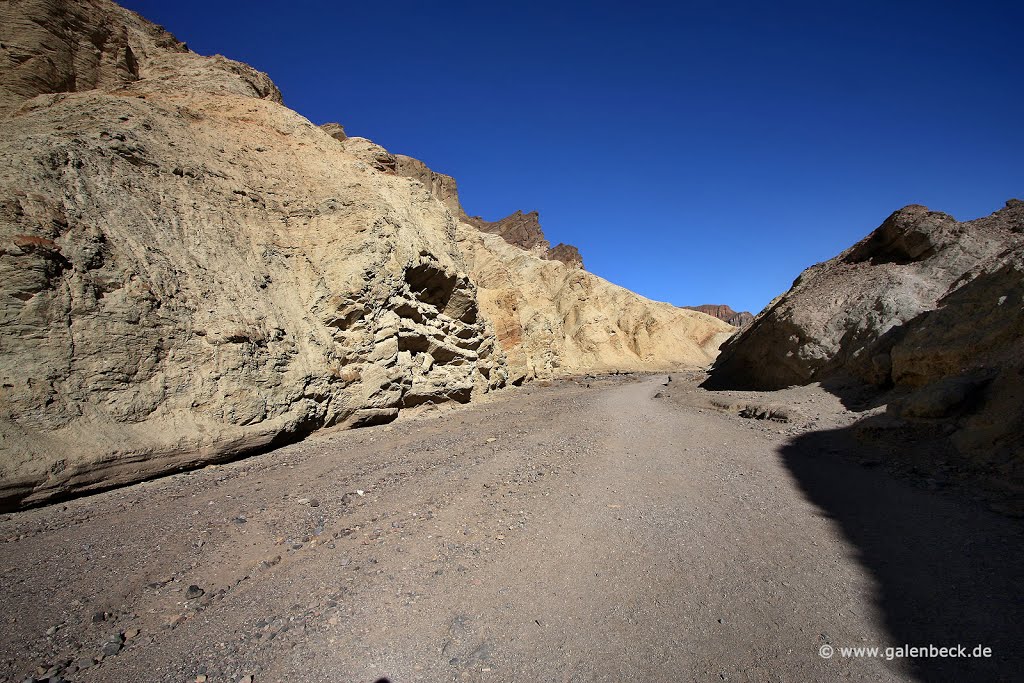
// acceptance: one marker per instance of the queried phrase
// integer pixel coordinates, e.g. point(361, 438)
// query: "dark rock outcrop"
point(724, 312)
point(66, 46)
point(442, 187)
point(928, 313)
point(523, 230)
point(519, 229)
point(843, 317)
point(567, 254)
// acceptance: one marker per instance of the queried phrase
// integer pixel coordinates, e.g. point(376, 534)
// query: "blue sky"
point(703, 152)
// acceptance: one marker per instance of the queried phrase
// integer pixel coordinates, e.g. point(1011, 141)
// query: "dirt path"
point(555, 534)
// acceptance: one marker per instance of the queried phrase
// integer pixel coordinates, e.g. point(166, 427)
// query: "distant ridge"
point(724, 312)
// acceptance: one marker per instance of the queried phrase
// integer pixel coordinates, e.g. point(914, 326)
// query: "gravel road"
point(562, 533)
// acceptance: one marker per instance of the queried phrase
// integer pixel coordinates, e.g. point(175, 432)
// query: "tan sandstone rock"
point(189, 271)
point(554, 319)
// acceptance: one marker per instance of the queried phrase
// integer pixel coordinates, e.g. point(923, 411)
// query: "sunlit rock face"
point(190, 271)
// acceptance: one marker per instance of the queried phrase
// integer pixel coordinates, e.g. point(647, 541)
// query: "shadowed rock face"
point(189, 271)
point(65, 46)
point(724, 312)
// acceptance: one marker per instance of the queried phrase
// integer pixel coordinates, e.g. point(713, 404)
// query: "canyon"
point(274, 407)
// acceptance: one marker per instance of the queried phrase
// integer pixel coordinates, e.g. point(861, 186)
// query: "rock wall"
point(552, 318)
point(189, 271)
point(186, 275)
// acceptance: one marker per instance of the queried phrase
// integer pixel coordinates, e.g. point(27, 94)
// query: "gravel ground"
point(584, 531)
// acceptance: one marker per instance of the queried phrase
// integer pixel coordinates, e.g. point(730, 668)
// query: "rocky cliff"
point(926, 309)
point(724, 312)
point(550, 316)
point(843, 317)
point(66, 46)
point(190, 271)
point(518, 229)
point(567, 254)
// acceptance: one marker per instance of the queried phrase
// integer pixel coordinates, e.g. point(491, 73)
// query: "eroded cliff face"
point(552, 318)
point(186, 275)
point(189, 271)
point(175, 290)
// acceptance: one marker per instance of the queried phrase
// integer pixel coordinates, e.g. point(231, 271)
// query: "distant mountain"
point(724, 312)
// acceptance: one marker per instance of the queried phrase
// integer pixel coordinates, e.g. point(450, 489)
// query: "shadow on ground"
point(948, 571)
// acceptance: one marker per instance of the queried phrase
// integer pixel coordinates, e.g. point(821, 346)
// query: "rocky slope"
point(550, 316)
point(725, 312)
point(189, 271)
point(927, 308)
point(551, 319)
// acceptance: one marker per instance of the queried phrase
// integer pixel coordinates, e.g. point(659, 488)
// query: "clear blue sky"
point(703, 152)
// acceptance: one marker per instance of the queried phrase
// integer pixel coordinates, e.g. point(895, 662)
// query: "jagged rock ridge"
point(724, 312)
point(519, 229)
point(523, 230)
point(189, 271)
